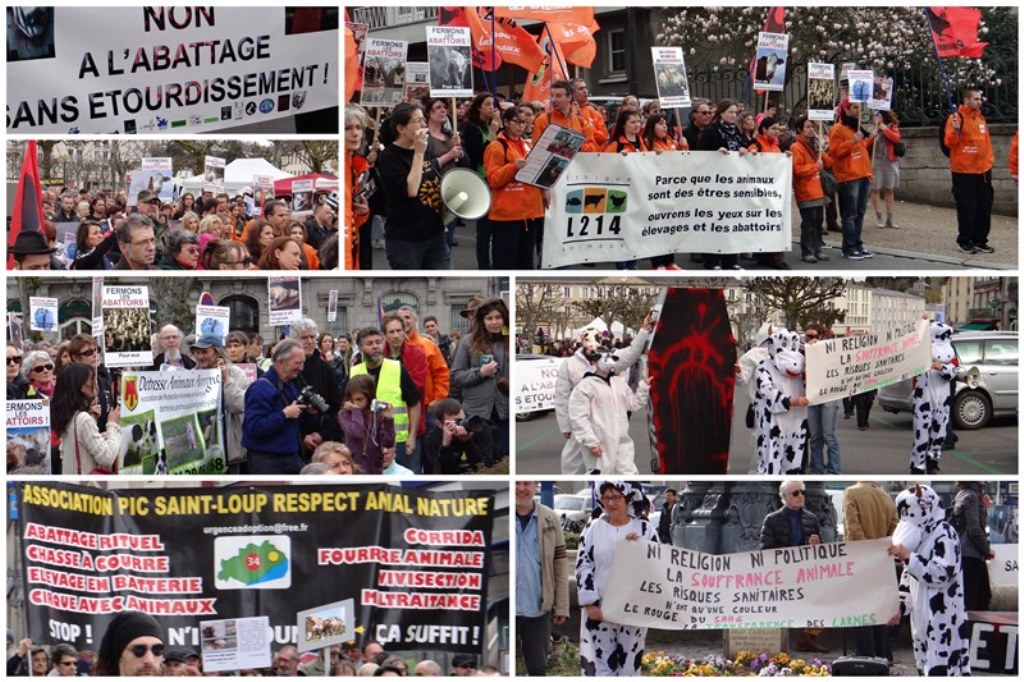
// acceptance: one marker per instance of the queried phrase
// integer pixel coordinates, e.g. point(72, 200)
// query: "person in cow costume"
point(780, 407)
point(932, 399)
point(574, 368)
point(931, 588)
point(608, 649)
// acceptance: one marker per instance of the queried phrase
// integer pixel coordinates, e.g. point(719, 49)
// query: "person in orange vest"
point(562, 113)
point(581, 102)
point(971, 160)
point(627, 141)
point(1013, 157)
point(766, 141)
point(810, 198)
point(516, 208)
point(849, 148)
point(658, 139)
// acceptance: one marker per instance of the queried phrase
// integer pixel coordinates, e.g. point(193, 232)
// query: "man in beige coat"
point(542, 576)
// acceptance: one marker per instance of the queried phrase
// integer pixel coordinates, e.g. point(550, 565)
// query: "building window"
point(616, 51)
point(245, 313)
point(566, 292)
point(459, 323)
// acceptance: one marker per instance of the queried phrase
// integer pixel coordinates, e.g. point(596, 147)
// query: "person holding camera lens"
point(456, 444)
point(480, 368)
point(319, 383)
point(274, 414)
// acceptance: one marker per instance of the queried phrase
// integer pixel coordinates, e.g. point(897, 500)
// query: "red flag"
point(955, 31)
point(483, 55)
point(774, 22)
point(27, 213)
point(576, 42)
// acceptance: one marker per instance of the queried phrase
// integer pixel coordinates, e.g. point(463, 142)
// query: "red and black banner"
point(414, 561)
point(692, 365)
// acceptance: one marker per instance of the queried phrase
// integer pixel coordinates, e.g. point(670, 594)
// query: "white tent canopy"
point(237, 174)
point(617, 329)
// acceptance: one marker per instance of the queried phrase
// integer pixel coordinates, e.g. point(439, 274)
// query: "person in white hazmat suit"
point(598, 412)
point(574, 457)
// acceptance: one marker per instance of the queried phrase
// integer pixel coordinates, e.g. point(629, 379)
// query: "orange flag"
point(538, 83)
point(570, 15)
point(516, 46)
point(351, 64)
point(576, 41)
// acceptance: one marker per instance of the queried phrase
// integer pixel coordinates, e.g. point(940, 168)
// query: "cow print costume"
point(782, 430)
point(607, 649)
point(932, 400)
point(931, 587)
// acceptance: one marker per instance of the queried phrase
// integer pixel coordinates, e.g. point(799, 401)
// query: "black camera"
point(472, 424)
point(307, 396)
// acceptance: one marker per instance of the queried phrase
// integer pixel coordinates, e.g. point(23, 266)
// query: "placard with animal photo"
point(213, 174)
point(417, 81)
point(171, 423)
point(384, 72)
point(881, 94)
point(862, 85)
point(770, 61)
point(155, 175)
point(213, 321)
point(302, 196)
point(15, 329)
point(127, 326)
point(548, 160)
point(28, 437)
point(448, 53)
point(670, 77)
point(236, 644)
point(44, 314)
point(285, 300)
point(821, 91)
point(326, 625)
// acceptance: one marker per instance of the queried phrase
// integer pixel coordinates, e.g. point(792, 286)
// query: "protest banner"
point(213, 320)
point(154, 174)
point(28, 437)
point(67, 235)
point(235, 644)
point(692, 360)
point(448, 54)
point(188, 69)
point(770, 61)
point(15, 329)
point(172, 423)
point(332, 305)
point(127, 326)
point(838, 368)
point(536, 382)
point(302, 195)
point(383, 72)
point(414, 561)
point(670, 77)
point(862, 84)
point(43, 317)
point(546, 162)
point(417, 83)
point(1004, 569)
point(213, 174)
point(610, 207)
point(841, 584)
point(881, 94)
point(821, 92)
point(263, 191)
point(285, 300)
point(326, 625)
point(97, 306)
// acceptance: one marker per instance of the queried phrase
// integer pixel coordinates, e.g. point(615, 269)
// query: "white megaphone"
point(465, 194)
point(971, 377)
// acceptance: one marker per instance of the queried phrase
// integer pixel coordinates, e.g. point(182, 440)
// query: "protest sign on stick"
point(383, 72)
point(213, 174)
point(213, 321)
point(127, 326)
point(43, 316)
point(417, 85)
point(285, 300)
point(302, 195)
point(326, 625)
point(155, 174)
point(881, 94)
point(546, 162)
point(862, 84)
point(236, 644)
point(670, 77)
point(448, 57)
point(821, 92)
point(28, 437)
point(770, 61)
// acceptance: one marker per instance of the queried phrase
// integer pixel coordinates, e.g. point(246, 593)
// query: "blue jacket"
point(265, 428)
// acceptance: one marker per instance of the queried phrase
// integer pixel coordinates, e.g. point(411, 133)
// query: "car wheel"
point(972, 410)
point(524, 416)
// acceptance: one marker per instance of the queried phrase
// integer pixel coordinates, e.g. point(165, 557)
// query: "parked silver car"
point(995, 356)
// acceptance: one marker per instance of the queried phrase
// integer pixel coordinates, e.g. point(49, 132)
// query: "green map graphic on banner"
point(254, 564)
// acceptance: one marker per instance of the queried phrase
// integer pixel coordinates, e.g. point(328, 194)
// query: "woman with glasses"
point(84, 449)
point(83, 348)
point(224, 254)
point(411, 183)
point(37, 370)
point(606, 649)
point(445, 146)
point(182, 251)
point(516, 208)
point(17, 385)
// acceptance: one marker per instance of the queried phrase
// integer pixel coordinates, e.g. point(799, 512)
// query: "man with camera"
point(456, 444)
point(319, 382)
point(394, 386)
point(275, 415)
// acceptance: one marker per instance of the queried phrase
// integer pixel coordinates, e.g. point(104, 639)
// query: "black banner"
point(414, 561)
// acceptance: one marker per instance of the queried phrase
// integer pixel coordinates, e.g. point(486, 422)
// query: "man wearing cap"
point(148, 204)
point(208, 351)
point(463, 665)
point(174, 661)
point(132, 646)
point(137, 242)
point(31, 251)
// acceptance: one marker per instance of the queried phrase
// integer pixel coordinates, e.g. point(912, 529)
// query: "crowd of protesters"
point(393, 166)
point(98, 230)
point(402, 400)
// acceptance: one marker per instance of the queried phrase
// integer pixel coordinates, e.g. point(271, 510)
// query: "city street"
point(884, 449)
point(925, 241)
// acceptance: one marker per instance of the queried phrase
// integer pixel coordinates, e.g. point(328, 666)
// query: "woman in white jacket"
point(598, 412)
point(83, 448)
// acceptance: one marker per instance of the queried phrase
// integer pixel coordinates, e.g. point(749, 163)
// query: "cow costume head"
point(588, 340)
point(942, 343)
point(636, 502)
point(921, 512)
point(784, 350)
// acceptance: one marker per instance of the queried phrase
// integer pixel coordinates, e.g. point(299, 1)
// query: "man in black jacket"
point(322, 378)
point(793, 526)
point(453, 444)
point(665, 523)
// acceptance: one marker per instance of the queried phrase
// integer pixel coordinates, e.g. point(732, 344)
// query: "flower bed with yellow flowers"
point(746, 664)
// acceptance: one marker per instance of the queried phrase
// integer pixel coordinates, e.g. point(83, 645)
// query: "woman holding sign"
point(607, 649)
point(516, 208)
point(84, 449)
point(657, 138)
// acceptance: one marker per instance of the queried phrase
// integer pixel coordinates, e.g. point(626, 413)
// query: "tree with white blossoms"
point(887, 40)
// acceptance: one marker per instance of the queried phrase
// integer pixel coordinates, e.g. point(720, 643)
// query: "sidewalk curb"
point(916, 255)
